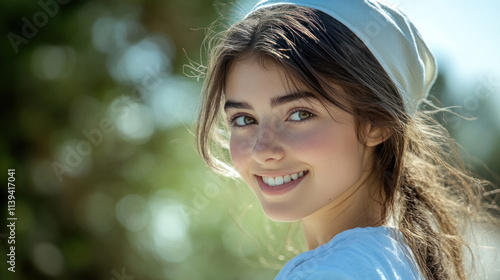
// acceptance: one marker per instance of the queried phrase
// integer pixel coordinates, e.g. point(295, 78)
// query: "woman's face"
point(296, 156)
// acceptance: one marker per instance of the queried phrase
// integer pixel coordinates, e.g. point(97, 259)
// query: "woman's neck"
point(356, 207)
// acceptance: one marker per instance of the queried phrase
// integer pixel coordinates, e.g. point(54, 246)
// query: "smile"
point(280, 180)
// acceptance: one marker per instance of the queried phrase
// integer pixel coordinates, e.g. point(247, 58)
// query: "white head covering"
point(389, 35)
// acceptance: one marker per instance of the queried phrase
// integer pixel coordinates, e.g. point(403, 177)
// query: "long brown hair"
point(426, 189)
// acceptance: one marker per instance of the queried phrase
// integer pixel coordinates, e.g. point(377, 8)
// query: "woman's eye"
point(242, 121)
point(301, 115)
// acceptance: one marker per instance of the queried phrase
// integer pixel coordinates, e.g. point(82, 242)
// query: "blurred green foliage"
point(96, 113)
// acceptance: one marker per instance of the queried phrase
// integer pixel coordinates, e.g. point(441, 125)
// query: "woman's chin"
point(281, 215)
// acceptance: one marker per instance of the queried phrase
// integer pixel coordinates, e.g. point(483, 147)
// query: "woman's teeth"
point(280, 180)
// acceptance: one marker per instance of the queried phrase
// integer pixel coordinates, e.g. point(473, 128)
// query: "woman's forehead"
point(290, 80)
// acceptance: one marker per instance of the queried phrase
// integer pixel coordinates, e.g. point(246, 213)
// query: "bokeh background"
point(98, 99)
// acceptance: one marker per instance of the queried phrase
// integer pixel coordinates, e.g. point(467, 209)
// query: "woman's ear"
point(375, 135)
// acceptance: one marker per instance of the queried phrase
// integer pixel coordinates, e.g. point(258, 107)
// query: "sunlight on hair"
point(486, 249)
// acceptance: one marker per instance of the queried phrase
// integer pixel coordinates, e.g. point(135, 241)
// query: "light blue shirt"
point(360, 253)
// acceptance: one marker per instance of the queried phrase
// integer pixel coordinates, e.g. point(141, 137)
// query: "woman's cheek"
point(240, 148)
point(312, 142)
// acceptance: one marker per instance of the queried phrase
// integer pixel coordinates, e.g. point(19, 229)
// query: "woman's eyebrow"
point(275, 101)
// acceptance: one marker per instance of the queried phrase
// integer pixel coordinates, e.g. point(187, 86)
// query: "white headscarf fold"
point(389, 35)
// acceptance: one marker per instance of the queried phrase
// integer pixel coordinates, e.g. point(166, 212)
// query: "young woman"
point(320, 105)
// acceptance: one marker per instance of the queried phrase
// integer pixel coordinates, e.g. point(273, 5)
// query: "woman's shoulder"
point(360, 253)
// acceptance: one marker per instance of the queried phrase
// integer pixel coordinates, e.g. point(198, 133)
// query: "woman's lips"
point(273, 190)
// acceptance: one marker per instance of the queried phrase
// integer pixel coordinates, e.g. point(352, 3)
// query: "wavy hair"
point(427, 192)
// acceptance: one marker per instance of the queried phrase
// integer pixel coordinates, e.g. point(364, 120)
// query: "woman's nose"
point(268, 147)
